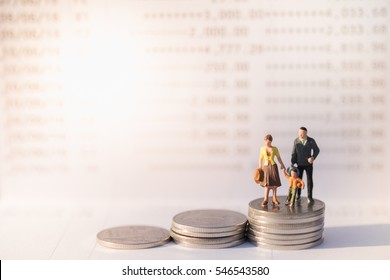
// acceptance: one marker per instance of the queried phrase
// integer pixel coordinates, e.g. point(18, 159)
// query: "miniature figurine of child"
point(295, 183)
point(271, 174)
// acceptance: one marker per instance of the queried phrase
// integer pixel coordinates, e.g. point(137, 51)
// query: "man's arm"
point(316, 150)
point(294, 157)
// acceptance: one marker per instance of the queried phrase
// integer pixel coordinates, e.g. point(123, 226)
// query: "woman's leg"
point(274, 197)
point(266, 193)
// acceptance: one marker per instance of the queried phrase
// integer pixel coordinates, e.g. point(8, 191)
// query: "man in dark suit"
point(304, 152)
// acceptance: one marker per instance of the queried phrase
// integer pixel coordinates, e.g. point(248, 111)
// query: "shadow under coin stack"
point(209, 229)
point(284, 227)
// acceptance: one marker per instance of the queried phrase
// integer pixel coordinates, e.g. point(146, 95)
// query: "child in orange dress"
point(294, 183)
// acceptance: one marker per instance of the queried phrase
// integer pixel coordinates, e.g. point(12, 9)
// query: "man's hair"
point(303, 128)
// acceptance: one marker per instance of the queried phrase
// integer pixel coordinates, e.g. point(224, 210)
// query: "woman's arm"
point(261, 158)
point(281, 162)
point(285, 174)
point(277, 154)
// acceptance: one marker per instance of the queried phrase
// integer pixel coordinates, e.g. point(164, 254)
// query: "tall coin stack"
point(286, 228)
point(209, 229)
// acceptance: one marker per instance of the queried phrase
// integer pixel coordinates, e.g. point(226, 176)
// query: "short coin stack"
point(286, 228)
point(133, 237)
point(209, 229)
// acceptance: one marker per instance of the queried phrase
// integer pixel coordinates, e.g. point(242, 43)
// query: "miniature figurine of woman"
point(270, 168)
point(295, 183)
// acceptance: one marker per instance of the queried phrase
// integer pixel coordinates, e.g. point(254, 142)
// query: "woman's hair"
point(269, 137)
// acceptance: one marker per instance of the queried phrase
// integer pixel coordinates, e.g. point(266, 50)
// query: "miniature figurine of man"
point(295, 184)
point(304, 152)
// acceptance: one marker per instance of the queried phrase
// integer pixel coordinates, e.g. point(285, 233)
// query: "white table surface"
point(67, 230)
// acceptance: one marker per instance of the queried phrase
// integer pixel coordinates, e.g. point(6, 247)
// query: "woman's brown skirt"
point(271, 176)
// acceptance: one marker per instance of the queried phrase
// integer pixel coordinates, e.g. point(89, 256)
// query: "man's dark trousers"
point(309, 175)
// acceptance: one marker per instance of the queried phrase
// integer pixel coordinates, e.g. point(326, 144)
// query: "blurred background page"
point(170, 100)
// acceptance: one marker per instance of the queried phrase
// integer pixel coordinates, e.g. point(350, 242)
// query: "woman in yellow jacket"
point(271, 173)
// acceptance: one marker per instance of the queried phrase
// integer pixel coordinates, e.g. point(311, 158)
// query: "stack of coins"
point(209, 229)
point(286, 228)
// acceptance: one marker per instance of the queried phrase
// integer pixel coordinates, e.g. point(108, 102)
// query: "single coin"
point(286, 231)
point(266, 219)
point(133, 237)
point(274, 236)
point(278, 225)
point(209, 220)
point(206, 241)
point(211, 246)
point(207, 234)
point(299, 210)
point(284, 242)
point(288, 247)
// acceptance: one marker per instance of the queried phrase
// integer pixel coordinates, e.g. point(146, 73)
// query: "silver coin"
point(287, 247)
point(209, 220)
point(301, 209)
point(211, 246)
point(286, 231)
point(278, 225)
point(206, 234)
point(133, 237)
point(273, 236)
point(284, 242)
point(265, 219)
point(292, 214)
point(206, 241)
